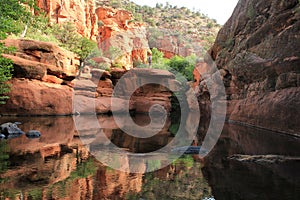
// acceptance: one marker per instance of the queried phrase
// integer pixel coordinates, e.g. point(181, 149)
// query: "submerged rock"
point(188, 150)
point(263, 158)
point(33, 134)
point(10, 130)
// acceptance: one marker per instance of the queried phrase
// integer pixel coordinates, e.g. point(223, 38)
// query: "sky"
point(220, 10)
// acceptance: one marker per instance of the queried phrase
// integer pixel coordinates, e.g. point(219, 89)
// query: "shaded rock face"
point(171, 44)
point(98, 92)
point(257, 52)
point(143, 95)
point(117, 30)
point(81, 13)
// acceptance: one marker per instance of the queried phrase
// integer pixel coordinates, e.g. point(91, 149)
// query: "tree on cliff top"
point(12, 15)
point(67, 35)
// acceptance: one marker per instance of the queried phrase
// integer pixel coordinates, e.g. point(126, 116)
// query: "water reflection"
point(267, 178)
point(127, 153)
point(58, 165)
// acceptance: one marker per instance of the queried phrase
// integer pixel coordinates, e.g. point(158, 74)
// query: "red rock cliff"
point(129, 39)
point(258, 54)
point(81, 13)
point(109, 27)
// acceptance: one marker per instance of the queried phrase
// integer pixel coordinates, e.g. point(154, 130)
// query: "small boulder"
point(100, 74)
point(10, 129)
point(33, 134)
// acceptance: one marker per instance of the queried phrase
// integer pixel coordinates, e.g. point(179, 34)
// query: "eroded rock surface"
point(82, 13)
point(122, 40)
point(258, 56)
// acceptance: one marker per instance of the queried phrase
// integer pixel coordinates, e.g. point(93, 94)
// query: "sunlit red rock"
point(36, 56)
point(117, 31)
point(81, 13)
point(33, 97)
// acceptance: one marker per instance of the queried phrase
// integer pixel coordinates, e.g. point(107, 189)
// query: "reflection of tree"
point(4, 164)
point(181, 180)
point(83, 170)
point(30, 186)
point(4, 158)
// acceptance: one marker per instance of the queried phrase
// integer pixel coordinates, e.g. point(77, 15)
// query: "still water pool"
point(246, 163)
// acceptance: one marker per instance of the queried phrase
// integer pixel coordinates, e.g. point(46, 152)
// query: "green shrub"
point(13, 16)
point(251, 12)
point(68, 37)
point(184, 66)
point(117, 65)
point(210, 25)
point(6, 66)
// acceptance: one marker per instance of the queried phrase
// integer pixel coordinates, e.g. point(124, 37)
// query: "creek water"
point(246, 163)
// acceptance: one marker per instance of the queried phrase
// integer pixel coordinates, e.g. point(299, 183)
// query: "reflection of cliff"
point(58, 166)
point(235, 179)
point(180, 180)
point(140, 145)
point(111, 184)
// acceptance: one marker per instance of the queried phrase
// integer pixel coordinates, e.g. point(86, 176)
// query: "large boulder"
point(88, 105)
point(27, 69)
point(33, 58)
point(33, 97)
point(147, 88)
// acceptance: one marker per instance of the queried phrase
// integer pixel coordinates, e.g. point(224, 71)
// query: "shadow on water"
point(245, 164)
point(254, 164)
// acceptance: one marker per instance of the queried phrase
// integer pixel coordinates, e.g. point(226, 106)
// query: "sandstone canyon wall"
point(117, 29)
point(44, 83)
point(81, 13)
point(171, 43)
point(257, 52)
point(110, 28)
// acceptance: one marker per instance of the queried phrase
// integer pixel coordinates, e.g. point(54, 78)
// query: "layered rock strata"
point(257, 54)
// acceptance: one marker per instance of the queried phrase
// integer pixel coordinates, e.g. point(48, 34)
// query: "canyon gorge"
point(75, 104)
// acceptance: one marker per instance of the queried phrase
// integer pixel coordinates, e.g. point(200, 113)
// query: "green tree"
point(13, 16)
point(184, 66)
point(113, 53)
point(158, 60)
point(72, 41)
point(157, 55)
point(84, 48)
point(6, 66)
